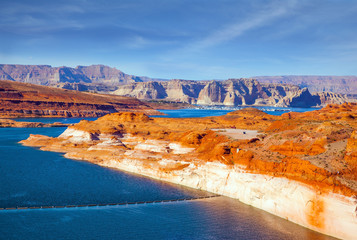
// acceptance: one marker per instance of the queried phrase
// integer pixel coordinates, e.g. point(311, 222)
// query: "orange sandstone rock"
point(314, 151)
point(352, 143)
point(290, 148)
point(296, 146)
point(29, 100)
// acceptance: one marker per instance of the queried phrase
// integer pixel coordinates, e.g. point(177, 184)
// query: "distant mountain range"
point(264, 90)
point(336, 84)
point(230, 92)
point(82, 78)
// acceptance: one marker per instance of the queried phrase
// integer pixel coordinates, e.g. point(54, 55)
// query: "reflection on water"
point(30, 177)
point(215, 218)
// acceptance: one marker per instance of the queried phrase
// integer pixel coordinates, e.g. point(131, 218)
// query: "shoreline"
point(156, 111)
point(9, 123)
point(262, 170)
point(331, 214)
point(263, 194)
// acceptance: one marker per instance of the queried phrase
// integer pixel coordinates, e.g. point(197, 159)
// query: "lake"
point(180, 113)
point(30, 177)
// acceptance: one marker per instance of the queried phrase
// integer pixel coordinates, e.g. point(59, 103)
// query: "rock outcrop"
point(174, 90)
point(8, 123)
point(231, 92)
point(335, 84)
point(83, 78)
point(100, 78)
point(299, 166)
point(29, 100)
point(330, 97)
point(303, 98)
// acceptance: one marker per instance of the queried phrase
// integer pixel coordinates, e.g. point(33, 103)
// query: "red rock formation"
point(293, 146)
point(289, 148)
point(312, 155)
point(28, 100)
point(351, 154)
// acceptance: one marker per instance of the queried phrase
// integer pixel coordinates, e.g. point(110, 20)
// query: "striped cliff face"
point(28, 100)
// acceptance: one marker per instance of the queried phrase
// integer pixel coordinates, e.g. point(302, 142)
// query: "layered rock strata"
point(272, 91)
point(28, 100)
point(231, 92)
point(335, 84)
point(94, 77)
point(299, 166)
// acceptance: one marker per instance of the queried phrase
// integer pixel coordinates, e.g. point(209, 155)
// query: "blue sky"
point(188, 39)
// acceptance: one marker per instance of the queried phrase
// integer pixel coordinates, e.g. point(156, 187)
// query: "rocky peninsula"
point(299, 166)
point(29, 100)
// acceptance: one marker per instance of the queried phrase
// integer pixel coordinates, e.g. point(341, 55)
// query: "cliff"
point(265, 91)
point(231, 92)
point(29, 100)
point(82, 78)
point(174, 90)
point(299, 166)
point(335, 84)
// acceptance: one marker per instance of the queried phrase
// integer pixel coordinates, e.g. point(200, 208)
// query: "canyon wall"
point(273, 91)
point(331, 214)
point(29, 100)
point(335, 84)
point(231, 92)
point(100, 78)
point(82, 78)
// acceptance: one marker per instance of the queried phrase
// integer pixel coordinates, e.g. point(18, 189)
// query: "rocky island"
point(299, 166)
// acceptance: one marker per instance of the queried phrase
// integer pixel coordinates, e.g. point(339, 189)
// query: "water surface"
point(216, 218)
point(30, 177)
point(207, 112)
point(53, 120)
point(179, 113)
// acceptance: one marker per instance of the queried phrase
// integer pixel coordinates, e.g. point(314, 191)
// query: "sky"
point(186, 39)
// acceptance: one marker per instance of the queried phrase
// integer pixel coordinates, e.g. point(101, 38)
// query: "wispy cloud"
point(22, 18)
point(139, 42)
point(259, 18)
point(183, 38)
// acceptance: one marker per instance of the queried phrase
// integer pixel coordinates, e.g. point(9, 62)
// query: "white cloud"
point(25, 18)
point(139, 42)
point(261, 17)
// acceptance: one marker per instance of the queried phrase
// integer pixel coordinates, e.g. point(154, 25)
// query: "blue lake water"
point(30, 177)
point(192, 113)
point(53, 120)
point(178, 113)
